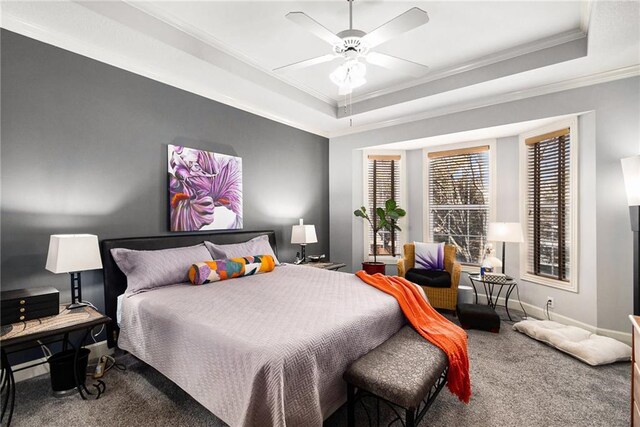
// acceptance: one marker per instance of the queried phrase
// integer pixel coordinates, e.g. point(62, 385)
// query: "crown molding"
point(593, 79)
point(207, 38)
point(586, 7)
point(483, 61)
point(50, 36)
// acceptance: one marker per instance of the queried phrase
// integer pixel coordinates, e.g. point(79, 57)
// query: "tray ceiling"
point(457, 33)
point(479, 52)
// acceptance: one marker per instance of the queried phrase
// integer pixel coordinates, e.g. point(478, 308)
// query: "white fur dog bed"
point(579, 343)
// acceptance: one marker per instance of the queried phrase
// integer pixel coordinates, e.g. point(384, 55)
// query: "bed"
point(264, 350)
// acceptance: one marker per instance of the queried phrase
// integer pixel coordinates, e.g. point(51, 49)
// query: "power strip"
point(99, 372)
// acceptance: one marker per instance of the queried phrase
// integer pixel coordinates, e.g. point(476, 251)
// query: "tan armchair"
point(445, 298)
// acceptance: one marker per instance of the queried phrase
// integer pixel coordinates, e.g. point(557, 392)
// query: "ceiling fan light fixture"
point(349, 76)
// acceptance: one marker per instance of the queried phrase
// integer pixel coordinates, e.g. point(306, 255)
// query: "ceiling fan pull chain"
point(351, 108)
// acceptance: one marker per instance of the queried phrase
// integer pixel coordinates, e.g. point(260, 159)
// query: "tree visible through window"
point(383, 183)
point(458, 194)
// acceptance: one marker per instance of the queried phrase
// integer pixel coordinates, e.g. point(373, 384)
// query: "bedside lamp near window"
point(302, 235)
point(631, 171)
point(73, 253)
point(505, 232)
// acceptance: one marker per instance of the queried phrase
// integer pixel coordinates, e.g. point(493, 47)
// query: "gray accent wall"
point(84, 150)
point(609, 129)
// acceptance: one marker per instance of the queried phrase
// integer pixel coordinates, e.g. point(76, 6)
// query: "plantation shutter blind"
point(383, 183)
point(549, 204)
point(458, 194)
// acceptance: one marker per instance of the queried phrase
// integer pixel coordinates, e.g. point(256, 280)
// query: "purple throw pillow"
point(429, 256)
point(257, 245)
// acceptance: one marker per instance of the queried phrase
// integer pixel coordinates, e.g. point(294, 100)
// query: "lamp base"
point(77, 305)
point(634, 212)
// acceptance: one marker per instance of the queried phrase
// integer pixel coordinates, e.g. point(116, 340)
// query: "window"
point(459, 199)
point(548, 211)
point(383, 182)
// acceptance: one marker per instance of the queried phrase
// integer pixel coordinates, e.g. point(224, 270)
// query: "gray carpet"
point(516, 381)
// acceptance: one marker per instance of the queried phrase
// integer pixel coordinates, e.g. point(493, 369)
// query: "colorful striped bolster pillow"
point(223, 269)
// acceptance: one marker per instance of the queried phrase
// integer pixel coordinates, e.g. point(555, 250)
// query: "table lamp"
point(73, 253)
point(303, 234)
point(631, 172)
point(505, 232)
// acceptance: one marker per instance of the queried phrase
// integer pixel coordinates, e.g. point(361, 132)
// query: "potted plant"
point(388, 220)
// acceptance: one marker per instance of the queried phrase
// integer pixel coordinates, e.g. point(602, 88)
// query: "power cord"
point(526, 316)
point(94, 336)
point(547, 309)
point(46, 352)
point(105, 364)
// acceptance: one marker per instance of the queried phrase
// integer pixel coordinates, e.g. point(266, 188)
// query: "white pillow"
point(257, 246)
point(579, 343)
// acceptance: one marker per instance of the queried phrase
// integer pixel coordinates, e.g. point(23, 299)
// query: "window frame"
point(574, 256)
point(472, 268)
point(402, 222)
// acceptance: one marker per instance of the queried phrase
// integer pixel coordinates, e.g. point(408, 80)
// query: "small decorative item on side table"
point(489, 282)
point(29, 334)
point(335, 266)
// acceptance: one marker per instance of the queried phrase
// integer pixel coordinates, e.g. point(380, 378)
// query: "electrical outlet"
point(550, 302)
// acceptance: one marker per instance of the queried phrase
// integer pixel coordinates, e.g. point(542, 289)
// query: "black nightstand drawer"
point(26, 304)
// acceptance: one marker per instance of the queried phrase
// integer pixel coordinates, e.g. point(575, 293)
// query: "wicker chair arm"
point(455, 275)
point(401, 267)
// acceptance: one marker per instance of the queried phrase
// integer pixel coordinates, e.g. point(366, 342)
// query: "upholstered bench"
point(478, 316)
point(406, 371)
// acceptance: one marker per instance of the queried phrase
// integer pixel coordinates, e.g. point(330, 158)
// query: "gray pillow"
point(146, 270)
point(257, 246)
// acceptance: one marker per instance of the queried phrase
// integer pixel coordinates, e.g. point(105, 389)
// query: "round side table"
point(490, 290)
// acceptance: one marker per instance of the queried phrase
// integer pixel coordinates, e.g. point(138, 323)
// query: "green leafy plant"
point(387, 219)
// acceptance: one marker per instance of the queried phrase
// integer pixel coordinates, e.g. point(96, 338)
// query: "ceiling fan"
point(353, 45)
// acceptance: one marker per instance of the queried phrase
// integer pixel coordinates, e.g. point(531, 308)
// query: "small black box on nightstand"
point(27, 304)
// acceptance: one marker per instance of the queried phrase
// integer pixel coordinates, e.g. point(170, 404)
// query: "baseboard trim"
point(539, 313)
point(98, 350)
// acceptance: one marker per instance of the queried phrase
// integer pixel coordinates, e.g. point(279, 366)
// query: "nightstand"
point(28, 334)
point(334, 266)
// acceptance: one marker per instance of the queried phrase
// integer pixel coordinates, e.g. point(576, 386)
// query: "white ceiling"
point(458, 32)
point(479, 52)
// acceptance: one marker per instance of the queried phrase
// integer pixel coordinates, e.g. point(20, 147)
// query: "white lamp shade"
point(505, 232)
point(495, 262)
point(73, 252)
point(303, 234)
point(631, 172)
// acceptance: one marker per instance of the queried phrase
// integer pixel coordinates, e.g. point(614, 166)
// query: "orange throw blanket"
point(431, 325)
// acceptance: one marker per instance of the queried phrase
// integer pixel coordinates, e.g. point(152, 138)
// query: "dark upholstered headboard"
point(115, 282)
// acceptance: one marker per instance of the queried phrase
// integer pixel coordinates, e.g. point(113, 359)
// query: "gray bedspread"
point(265, 350)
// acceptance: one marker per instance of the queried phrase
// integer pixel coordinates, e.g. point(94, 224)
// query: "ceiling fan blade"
point(407, 21)
point(314, 27)
point(396, 64)
point(306, 63)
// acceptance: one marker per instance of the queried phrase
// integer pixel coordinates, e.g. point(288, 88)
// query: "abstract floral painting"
point(205, 190)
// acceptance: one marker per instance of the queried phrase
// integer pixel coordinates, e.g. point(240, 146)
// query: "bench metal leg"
point(412, 416)
point(409, 420)
point(351, 406)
